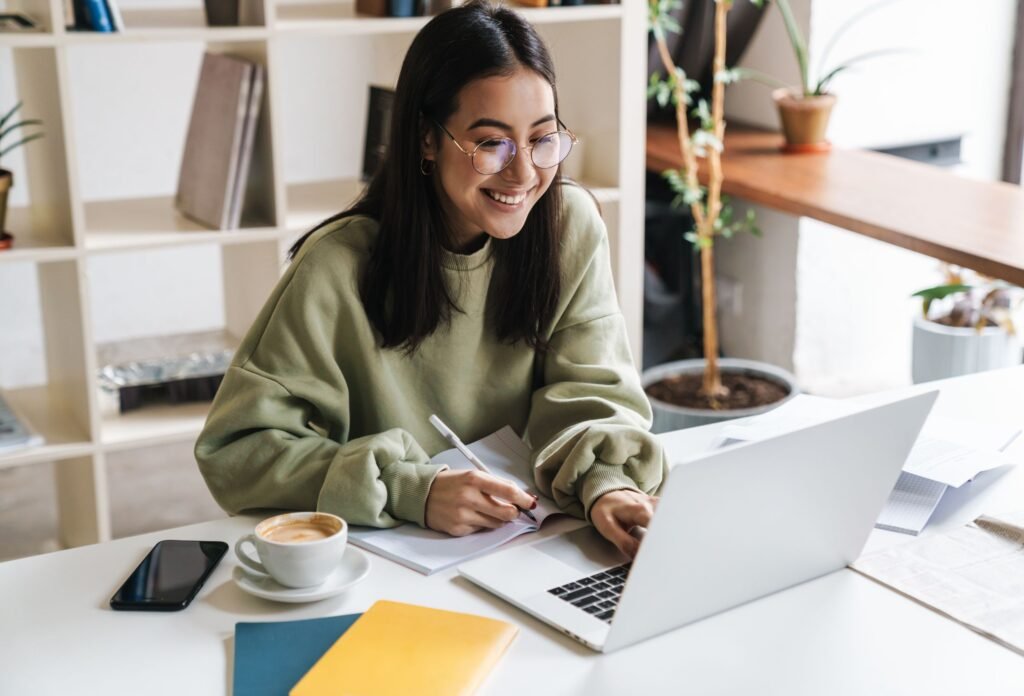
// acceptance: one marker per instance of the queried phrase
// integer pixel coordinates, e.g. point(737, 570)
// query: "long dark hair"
point(403, 287)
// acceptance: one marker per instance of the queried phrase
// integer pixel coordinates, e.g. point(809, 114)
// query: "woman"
point(468, 281)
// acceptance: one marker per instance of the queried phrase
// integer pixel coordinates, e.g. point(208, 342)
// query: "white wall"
point(852, 315)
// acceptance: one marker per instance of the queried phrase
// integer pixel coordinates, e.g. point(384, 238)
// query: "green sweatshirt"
point(313, 414)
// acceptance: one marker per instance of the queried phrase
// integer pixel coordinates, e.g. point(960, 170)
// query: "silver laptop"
point(731, 526)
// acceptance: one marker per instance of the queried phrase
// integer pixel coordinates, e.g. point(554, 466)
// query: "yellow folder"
point(404, 649)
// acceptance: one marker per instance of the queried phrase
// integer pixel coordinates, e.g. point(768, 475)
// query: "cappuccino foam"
point(299, 531)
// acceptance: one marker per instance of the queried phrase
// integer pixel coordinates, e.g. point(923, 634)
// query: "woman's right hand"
point(464, 501)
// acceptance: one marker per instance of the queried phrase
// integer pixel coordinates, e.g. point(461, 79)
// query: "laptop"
point(731, 526)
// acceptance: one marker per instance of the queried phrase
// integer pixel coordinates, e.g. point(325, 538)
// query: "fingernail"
point(532, 507)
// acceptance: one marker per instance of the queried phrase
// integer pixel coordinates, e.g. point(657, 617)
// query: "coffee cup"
point(297, 549)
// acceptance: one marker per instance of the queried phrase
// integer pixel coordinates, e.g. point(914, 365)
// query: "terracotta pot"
point(669, 417)
point(6, 181)
point(804, 119)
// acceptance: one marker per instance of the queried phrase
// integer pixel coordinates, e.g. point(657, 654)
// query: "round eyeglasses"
point(495, 154)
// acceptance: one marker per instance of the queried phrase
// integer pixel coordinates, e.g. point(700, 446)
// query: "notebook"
point(400, 649)
point(427, 551)
point(271, 657)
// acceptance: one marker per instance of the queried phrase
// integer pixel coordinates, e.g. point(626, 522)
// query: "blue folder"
point(271, 657)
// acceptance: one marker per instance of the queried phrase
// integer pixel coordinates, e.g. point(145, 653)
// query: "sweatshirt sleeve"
point(589, 420)
point(277, 433)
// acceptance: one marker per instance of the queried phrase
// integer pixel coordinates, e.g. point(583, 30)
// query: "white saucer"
point(355, 565)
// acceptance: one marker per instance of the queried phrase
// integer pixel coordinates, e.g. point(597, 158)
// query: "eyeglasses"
point(494, 154)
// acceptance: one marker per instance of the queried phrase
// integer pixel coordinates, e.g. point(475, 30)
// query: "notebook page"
point(427, 551)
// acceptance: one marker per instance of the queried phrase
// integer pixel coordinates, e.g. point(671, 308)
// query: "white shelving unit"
point(600, 56)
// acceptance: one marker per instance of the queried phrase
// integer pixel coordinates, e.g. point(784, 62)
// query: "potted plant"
point(8, 132)
point(805, 110)
point(966, 326)
point(694, 392)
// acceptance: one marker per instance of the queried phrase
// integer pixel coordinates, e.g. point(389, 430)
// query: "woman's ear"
point(428, 143)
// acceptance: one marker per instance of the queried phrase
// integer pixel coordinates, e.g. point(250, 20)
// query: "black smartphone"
point(169, 576)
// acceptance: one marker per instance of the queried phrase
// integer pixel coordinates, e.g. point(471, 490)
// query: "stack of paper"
point(948, 453)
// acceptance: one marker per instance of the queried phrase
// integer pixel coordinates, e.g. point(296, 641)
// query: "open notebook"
point(428, 551)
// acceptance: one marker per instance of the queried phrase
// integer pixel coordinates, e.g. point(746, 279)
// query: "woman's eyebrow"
point(493, 123)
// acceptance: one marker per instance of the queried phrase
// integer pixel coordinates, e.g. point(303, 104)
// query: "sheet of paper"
point(427, 551)
point(911, 504)
point(974, 575)
point(949, 462)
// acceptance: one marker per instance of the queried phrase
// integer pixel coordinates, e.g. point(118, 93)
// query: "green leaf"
point(705, 242)
point(21, 142)
point(664, 95)
point(941, 291)
point(846, 26)
point(703, 112)
point(20, 124)
point(728, 76)
point(758, 76)
point(691, 237)
point(796, 39)
point(822, 86)
point(9, 114)
point(703, 140)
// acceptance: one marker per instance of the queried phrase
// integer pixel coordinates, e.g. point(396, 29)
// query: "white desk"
point(840, 634)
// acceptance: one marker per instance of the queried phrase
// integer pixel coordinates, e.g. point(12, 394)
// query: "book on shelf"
point(116, 20)
point(372, 8)
point(378, 129)
point(97, 16)
point(218, 147)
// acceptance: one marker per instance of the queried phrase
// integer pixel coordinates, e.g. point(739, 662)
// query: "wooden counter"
point(977, 224)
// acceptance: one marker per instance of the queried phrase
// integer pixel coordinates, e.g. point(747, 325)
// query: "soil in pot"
point(745, 391)
point(6, 240)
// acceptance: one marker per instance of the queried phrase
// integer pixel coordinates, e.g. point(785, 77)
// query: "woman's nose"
point(521, 169)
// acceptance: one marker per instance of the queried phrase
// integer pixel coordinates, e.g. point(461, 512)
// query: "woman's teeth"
point(507, 200)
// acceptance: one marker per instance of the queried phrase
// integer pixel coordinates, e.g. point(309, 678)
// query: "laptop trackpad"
point(584, 549)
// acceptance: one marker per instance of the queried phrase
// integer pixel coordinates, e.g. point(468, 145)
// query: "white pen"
point(451, 437)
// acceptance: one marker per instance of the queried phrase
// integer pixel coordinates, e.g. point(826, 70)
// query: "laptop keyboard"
point(597, 594)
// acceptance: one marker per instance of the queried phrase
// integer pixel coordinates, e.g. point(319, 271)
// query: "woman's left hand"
point(616, 512)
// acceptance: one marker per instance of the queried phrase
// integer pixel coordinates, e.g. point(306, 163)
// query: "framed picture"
point(14, 21)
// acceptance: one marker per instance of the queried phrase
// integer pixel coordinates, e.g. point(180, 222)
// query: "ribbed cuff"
point(600, 479)
point(408, 484)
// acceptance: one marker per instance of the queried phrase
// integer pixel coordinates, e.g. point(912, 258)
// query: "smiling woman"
point(469, 280)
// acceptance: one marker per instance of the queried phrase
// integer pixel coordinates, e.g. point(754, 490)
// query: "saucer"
point(355, 565)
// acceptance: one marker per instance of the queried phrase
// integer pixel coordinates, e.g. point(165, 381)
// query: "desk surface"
point(839, 634)
point(977, 224)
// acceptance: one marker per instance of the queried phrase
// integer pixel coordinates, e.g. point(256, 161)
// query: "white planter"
point(668, 417)
point(948, 351)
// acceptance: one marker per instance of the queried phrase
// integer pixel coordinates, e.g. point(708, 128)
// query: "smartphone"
point(169, 576)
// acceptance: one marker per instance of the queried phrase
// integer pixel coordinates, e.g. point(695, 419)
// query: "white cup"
point(297, 549)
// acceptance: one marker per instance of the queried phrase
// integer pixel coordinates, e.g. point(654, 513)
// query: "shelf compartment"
point(311, 203)
point(121, 211)
point(153, 425)
point(39, 201)
point(177, 23)
point(341, 18)
point(32, 246)
point(64, 437)
point(138, 223)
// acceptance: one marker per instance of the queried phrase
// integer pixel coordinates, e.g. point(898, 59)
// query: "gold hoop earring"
point(427, 166)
